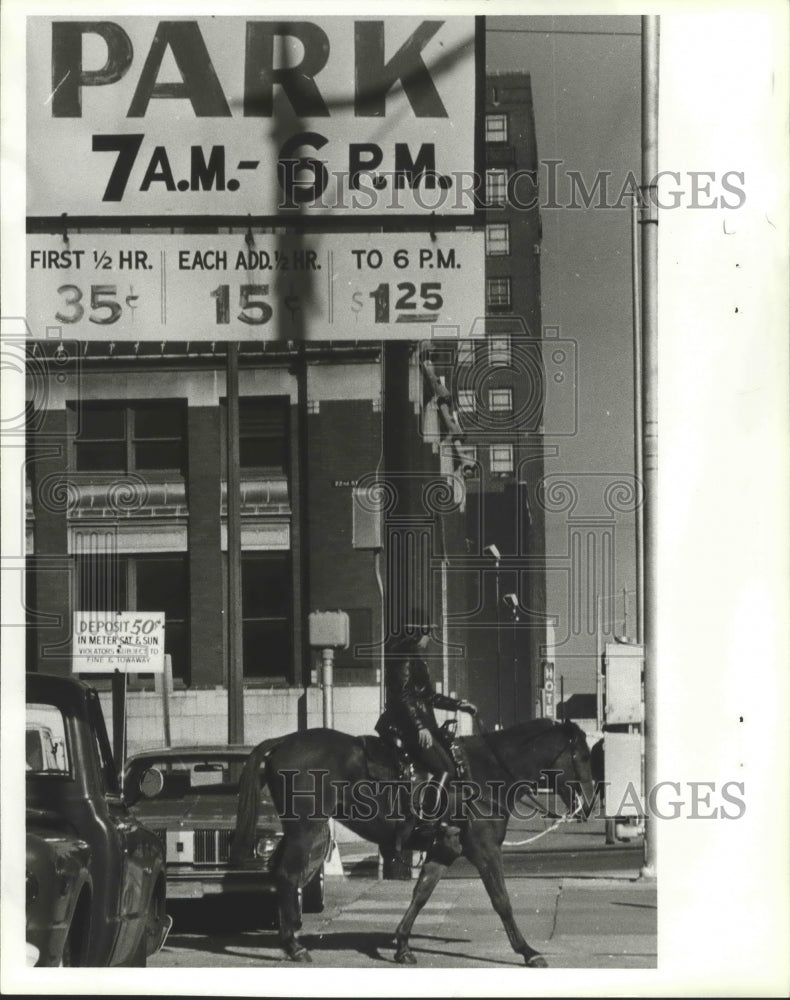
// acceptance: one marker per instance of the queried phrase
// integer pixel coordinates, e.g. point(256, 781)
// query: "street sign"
point(219, 286)
point(199, 116)
point(127, 641)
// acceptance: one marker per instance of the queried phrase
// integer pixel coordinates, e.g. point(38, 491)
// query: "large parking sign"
point(235, 116)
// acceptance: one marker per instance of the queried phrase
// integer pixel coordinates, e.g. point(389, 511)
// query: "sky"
point(585, 74)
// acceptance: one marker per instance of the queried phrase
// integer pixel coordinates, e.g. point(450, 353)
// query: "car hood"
point(203, 810)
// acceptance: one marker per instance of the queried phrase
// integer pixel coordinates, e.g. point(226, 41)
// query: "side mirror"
point(151, 782)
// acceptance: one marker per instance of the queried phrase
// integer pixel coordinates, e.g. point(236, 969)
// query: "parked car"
point(95, 876)
point(189, 797)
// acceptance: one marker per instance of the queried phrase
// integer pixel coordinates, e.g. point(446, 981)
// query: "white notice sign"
point(129, 641)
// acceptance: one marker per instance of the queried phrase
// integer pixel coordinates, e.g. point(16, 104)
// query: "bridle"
point(570, 744)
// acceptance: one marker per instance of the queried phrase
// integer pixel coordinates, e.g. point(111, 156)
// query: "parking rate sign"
point(128, 641)
point(233, 115)
point(341, 287)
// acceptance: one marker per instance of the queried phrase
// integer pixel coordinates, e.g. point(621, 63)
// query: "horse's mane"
point(524, 732)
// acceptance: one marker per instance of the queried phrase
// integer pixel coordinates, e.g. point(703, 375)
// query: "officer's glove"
point(467, 706)
point(426, 740)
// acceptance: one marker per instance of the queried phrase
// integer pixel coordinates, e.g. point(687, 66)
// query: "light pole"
point(511, 600)
point(493, 551)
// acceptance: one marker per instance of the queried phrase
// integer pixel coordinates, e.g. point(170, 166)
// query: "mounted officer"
point(410, 702)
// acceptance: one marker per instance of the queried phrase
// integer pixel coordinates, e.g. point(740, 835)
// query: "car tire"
point(313, 893)
point(139, 959)
point(73, 953)
point(156, 914)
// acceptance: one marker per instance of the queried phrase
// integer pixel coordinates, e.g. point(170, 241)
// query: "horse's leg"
point(486, 855)
point(430, 875)
point(295, 850)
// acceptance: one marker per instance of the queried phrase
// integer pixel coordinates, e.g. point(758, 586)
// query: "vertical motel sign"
point(549, 703)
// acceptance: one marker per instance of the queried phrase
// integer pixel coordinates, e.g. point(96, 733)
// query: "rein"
point(564, 818)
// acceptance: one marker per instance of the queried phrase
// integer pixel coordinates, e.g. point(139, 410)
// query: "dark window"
point(162, 584)
point(263, 437)
point(130, 437)
point(266, 615)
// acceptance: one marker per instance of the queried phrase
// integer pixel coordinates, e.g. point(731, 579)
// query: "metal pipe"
point(327, 683)
point(498, 652)
point(638, 450)
point(382, 631)
point(650, 47)
point(235, 644)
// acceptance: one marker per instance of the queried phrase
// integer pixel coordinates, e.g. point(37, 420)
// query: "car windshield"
point(185, 775)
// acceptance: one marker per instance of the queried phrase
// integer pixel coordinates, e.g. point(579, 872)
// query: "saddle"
point(388, 760)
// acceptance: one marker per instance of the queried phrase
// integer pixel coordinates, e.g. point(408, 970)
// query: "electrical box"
point(623, 664)
point(622, 768)
point(366, 522)
point(328, 629)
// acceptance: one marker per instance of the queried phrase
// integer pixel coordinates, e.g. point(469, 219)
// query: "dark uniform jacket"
point(411, 697)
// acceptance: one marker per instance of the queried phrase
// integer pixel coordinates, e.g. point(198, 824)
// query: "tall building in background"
point(498, 383)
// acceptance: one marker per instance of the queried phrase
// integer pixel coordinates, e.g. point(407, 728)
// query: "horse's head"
point(571, 770)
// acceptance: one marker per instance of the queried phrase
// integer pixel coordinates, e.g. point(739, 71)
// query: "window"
point(466, 353)
point(497, 239)
point(499, 350)
point(496, 128)
point(498, 293)
point(266, 615)
point(500, 400)
point(501, 457)
point(130, 437)
point(46, 749)
point(108, 582)
point(466, 400)
point(263, 437)
point(496, 186)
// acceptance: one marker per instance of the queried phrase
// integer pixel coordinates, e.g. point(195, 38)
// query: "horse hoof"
point(536, 962)
point(405, 958)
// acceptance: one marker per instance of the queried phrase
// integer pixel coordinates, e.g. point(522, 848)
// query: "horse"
point(502, 767)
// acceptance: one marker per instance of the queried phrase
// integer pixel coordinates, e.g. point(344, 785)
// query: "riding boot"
point(421, 831)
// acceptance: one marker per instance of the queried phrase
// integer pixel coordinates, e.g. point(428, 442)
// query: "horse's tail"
point(250, 801)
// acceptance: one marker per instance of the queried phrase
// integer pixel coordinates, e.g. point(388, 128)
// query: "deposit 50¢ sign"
point(237, 116)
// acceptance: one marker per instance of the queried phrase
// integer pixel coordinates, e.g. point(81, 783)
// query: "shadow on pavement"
point(381, 946)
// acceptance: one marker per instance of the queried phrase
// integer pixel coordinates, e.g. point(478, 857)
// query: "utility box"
point(622, 754)
point(623, 666)
point(366, 521)
point(328, 629)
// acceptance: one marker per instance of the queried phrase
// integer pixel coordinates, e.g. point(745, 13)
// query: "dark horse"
point(502, 766)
